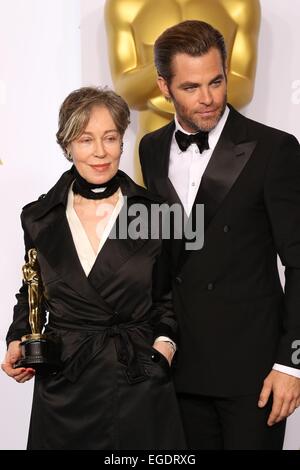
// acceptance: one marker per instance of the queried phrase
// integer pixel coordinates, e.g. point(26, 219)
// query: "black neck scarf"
point(95, 191)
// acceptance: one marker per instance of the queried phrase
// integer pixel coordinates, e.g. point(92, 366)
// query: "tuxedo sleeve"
point(282, 198)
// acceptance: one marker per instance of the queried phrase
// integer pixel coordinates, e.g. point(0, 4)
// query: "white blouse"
point(86, 254)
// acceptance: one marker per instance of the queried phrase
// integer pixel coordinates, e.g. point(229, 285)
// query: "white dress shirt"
point(186, 169)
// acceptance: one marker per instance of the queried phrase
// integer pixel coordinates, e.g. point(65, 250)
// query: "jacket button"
point(178, 280)
point(155, 357)
point(210, 286)
point(226, 228)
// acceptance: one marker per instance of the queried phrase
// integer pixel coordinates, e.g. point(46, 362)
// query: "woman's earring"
point(69, 156)
point(122, 145)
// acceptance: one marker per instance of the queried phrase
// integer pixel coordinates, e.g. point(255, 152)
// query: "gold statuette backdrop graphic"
point(132, 28)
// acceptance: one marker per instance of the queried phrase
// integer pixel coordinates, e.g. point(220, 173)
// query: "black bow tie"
point(185, 140)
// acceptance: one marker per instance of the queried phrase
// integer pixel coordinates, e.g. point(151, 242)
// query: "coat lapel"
point(53, 238)
point(47, 224)
point(56, 244)
point(117, 250)
point(112, 256)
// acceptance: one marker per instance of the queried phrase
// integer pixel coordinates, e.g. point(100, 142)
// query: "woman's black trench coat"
point(114, 391)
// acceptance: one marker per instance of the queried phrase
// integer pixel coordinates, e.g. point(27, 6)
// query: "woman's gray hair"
point(75, 112)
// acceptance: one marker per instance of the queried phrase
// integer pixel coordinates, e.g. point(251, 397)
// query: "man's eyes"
point(217, 82)
point(191, 87)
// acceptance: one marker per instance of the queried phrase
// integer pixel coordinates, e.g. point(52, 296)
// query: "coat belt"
point(86, 344)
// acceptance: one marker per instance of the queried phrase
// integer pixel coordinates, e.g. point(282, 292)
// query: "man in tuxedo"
point(237, 373)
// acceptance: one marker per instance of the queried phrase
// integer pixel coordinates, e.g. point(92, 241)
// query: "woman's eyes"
point(106, 139)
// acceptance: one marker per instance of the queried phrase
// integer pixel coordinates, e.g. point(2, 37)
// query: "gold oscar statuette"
point(39, 350)
point(133, 26)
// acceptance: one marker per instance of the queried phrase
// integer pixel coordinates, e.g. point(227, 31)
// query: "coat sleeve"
point(282, 197)
point(162, 314)
point(20, 324)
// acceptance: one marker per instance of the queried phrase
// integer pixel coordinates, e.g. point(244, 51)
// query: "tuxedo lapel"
point(163, 151)
point(165, 188)
point(228, 160)
point(163, 185)
point(226, 164)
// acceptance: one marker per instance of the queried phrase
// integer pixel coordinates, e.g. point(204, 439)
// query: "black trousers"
point(213, 423)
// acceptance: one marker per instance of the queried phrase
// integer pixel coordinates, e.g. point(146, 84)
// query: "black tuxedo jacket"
point(235, 320)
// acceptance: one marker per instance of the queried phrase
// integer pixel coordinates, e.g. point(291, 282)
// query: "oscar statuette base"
point(41, 353)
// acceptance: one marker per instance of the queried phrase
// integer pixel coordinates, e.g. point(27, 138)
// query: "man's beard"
point(200, 124)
